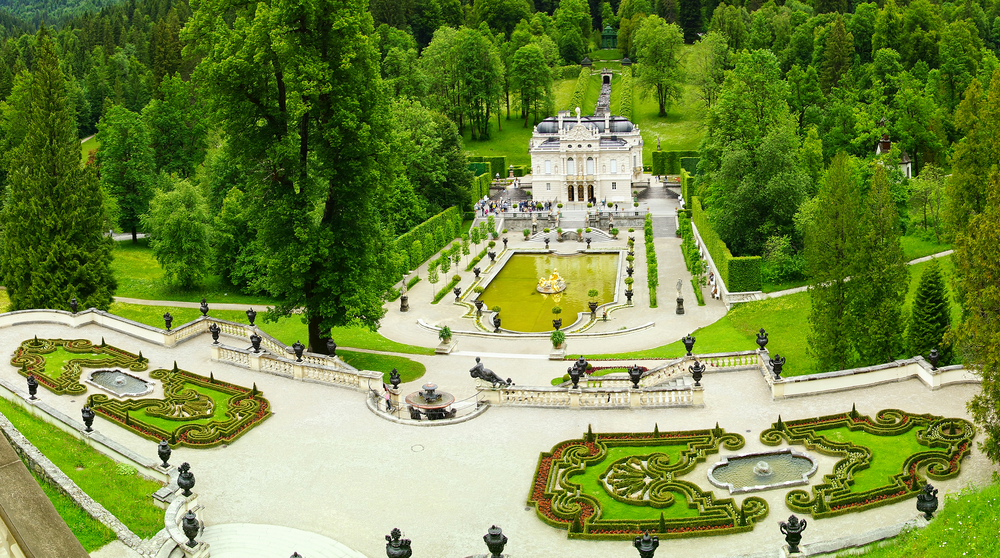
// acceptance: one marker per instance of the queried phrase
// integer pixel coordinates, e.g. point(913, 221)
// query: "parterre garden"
point(619, 485)
point(195, 411)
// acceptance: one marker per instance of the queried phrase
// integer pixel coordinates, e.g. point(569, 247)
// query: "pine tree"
point(838, 55)
point(827, 255)
point(931, 317)
point(53, 245)
point(879, 277)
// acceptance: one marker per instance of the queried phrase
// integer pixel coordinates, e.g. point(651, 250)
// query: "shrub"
point(635, 204)
point(495, 309)
point(629, 281)
point(739, 274)
point(478, 289)
point(444, 334)
point(587, 229)
point(613, 231)
point(491, 244)
point(558, 338)
point(610, 204)
point(590, 204)
point(557, 310)
point(592, 293)
point(631, 229)
point(559, 205)
point(580, 91)
point(545, 230)
point(527, 233)
point(504, 231)
point(626, 89)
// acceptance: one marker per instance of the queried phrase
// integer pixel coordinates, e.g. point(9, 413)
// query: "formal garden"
point(619, 485)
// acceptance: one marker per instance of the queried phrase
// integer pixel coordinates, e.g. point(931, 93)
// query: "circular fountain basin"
point(120, 383)
point(753, 472)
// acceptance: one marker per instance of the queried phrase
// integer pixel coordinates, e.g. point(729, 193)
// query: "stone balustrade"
point(593, 398)
point(332, 371)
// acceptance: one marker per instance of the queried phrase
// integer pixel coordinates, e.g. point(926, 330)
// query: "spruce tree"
point(879, 277)
point(53, 245)
point(827, 255)
point(931, 316)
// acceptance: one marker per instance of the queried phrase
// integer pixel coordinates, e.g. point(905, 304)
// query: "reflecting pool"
point(523, 308)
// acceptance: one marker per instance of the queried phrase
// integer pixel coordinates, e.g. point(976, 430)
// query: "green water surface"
point(523, 308)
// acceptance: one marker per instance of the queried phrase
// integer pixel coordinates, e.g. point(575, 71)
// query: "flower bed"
point(642, 478)
point(947, 442)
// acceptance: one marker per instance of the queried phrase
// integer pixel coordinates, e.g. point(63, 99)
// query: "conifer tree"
point(827, 254)
point(53, 244)
point(931, 316)
point(879, 277)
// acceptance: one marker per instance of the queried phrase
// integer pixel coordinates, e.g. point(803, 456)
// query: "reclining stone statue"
point(485, 374)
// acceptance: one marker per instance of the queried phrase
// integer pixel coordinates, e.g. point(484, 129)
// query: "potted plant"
point(592, 293)
point(505, 231)
point(558, 338)
point(491, 244)
point(587, 229)
point(628, 282)
point(614, 233)
point(445, 335)
point(631, 230)
point(559, 206)
point(538, 205)
point(590, 204)
point(557, 323)
point(630, 259)
point(545, 230)
point(527, 233)
point(611, 204)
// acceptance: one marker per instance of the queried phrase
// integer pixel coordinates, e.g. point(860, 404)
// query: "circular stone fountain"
point(120, 383)
point(432, 402)
point(752, 472)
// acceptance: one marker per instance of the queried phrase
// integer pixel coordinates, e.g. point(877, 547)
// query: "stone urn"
point(73, 305)
point(168, 319)
point(32, 387)
point(299, 348)
point(574, 375)
point(635, 374)
point(396, 547)
point(697, 370)
point(933, 357)
point(476, 271)
point(557, 323)
point(185, 479)
point(251, 315)
point(215, 330)
point(88, 418)
point(927, 501)
point(593, 309)
point(458, 293)
point(776, 364)
point(204, 307)
point(630, 270)
point(496, 323)
point(163, 452)
point(190, 526)
point(762, 339)
point(479, 308)
point(792, 529)
point(495, 541)
point(628, 296)
point(255, 342)
point(646, 545)
point(688, 343)
point(394, 378)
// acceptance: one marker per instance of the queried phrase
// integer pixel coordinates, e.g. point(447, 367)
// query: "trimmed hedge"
point(626, 98)
point(481, 187)
point(476, 259)
point(690, 164)
point(560, 503)
point(197, 425)
point(652, 269)
point(479, 168)
point(740, 274)
point(29, 358)
point(580, 92)
point(686, 183)
point(669, 162)
point(446, 290)
point(947, 441)
point(521, 170)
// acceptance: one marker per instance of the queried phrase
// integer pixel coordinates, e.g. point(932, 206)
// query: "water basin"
point(120, 383)
point(752, 472)
point(523, 308)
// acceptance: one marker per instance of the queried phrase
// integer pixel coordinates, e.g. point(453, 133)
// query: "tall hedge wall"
point(669, 162)
point(740, 274)
point(626, 98)
point(480, 167)
point(686, 188)
point(690, 164)
point(481, 186)
point(432, 235)
point(582, 81)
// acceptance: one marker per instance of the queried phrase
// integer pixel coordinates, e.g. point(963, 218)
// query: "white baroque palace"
point(585, 158)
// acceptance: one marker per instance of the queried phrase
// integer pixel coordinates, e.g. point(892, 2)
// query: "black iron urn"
point(495, 539)
point(697, 370)
point(396, 547)
point(88, 418)
point(646, 545)
point(190, 526)
point(776, 363)
point(251, 315)
point(204, 307)
point(215, 330)
point(32, 387)
point(255, 342)
point(163, 452)
point(688, 343)
point(299, 348)
point(762, 339)
point(793, 532)
point(927, 501)
point(185, 480)
point(168, 319)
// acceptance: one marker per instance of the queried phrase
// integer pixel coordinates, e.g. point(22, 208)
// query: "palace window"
point(570, 166)
point(548, 167)
point(614, 185)
point(590, 165)
point(548, 186)
point(614, 166)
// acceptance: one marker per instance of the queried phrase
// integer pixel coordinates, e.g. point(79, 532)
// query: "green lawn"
point(786, 320)
point(605, 54)
point(91, 533)
point(681, 129)
point(139, 275)
point(511, 142)
point(562, 92)
point(409, 370)
point(888, 454)
point(122, 492)
point(87, 146)
point(288, 330)
point(965, 526)
point(914, 247)
point(56, 361)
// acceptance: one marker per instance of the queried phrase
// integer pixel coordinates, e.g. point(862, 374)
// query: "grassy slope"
point(966, 526)
point(91, 533)
point(786, 320)
point(126, 496)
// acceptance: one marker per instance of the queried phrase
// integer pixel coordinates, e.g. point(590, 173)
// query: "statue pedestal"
point(404, 303)
point(680, 305)
point(558, 353)
point(446, 347)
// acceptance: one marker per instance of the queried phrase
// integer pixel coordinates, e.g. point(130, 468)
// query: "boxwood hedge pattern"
point(30, 359)
point(641, 479)
point(947, 442)
point(191, 409)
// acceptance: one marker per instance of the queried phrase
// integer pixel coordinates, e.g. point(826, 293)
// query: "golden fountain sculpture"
point(554, 284)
